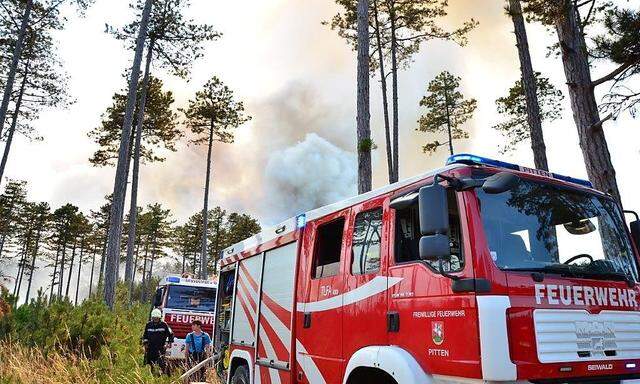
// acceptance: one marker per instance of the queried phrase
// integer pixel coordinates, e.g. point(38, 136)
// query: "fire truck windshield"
point(545, 228)
point(191, 298)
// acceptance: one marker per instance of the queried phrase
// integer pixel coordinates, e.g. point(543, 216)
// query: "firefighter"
point(156, 339)
point(198, 343)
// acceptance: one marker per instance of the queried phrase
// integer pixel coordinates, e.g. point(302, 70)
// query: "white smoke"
point(309, 174)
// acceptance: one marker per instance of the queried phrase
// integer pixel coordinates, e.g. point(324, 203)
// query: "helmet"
point(156, 313)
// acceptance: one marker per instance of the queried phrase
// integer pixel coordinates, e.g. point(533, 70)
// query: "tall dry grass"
point(20, 364)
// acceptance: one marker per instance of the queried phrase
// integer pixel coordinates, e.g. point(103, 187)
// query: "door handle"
point(307, 320)
point(393, 321)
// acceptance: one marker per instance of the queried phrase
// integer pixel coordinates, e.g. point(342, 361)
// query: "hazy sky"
point(297, 79)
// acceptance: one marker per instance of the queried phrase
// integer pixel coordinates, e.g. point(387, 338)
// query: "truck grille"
point(577, 335)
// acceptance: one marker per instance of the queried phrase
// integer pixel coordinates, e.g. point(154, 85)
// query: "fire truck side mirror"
point(435, 247)
point(500, 182)
point(157, 298)
point(434, 210)
point(634, 227)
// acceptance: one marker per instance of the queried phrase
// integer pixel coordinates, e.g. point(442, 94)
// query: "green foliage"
point(612, 34)
point(366, 145)
point(107, 341)
point(177, 41)
point(447, 111)
point(159, 128)
point(225, 229)
point(46, 84)
point(414, 22)
point(214, 111)
point(12, 204)
point(514, 107)
point(620, 44)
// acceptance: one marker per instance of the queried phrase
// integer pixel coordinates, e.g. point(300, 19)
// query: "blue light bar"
point(301, 220)
point(173, 279)
point(465, 158)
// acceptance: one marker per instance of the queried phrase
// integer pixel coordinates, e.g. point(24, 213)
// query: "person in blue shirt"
point(197, 345)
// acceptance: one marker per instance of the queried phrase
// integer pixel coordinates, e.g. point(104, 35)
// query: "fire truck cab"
point(478, 272)
point(183, 300)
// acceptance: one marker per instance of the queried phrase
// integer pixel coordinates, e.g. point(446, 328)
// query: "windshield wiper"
point(571, 271)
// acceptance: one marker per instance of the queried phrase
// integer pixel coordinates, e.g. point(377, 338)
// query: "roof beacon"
point(465, 158)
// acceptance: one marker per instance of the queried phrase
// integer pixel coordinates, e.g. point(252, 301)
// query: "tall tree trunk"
point(55, 271)
point(205, 209)
point(120, 182)
point(529, 86)
point(103, 258)
point(14, 121)
point(146, 285)
point(79, 269)
point(394, 85)
point(583, 102)
point(19, 273)
point(23, 261)
point(217, 243)
point(17, 54)
point(63, 257)
point(448, 113)
point(144, 271)
point(34, 255)
point(73, 258)
point(364, 143)
point(93, 266)
point(2, 240)
point(385, 101)
point(135, 263)
point(133, 211)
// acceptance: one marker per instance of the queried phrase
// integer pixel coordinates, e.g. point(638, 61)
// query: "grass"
point(59, 343)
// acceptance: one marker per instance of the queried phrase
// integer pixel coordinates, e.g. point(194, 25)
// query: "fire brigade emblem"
point(437, 332)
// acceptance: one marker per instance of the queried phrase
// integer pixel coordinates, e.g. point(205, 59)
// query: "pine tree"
point(212, 115)
point(120, 181)
point(514, 107)
point(528, 86)
point(40, 216)
point(42, 84)
point(574, 22)
point(156, 234)
point(61, 240)
point(28, 45)
point(176, 42)
point(399, 28)
point(363, 116)
point(100, 221)
point(447, 111)
point(12, 205)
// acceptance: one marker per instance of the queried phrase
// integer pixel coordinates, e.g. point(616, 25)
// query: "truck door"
point(276, 306)
point(436, 324)
point(366, 276)
point(321, 286)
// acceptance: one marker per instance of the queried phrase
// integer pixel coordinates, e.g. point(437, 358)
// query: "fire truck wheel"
point(241, 375)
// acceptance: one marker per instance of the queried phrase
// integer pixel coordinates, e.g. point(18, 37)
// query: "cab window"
point(367, 236)
point(328, 248)
point(407, 236)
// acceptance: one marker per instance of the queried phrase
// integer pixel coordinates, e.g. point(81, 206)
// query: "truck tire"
point(241, 375)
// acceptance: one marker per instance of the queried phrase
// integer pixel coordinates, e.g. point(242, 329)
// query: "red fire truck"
point(479, 272)
point(183, 300)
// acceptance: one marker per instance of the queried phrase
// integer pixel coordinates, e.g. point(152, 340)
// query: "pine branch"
point(613, 74)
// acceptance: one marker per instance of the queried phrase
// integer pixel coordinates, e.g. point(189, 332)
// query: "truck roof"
point(231, 254)
point(291, 224)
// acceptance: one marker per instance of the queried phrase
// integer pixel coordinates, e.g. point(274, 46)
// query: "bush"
point(89, 340)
